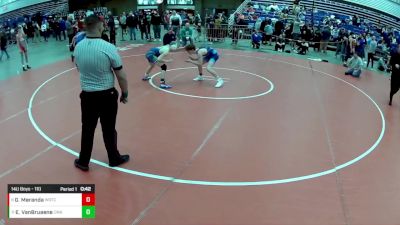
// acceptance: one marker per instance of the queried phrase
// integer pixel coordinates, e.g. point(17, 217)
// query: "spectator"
point(238, 30)
point(36, 29)
point(143, 26)
point(132, 23)
point(197, 24)
point(383, 64)
point(186, 35)
point(111, 28)
point(371, 51)
point(345, 49)
point(257, 25)
point(354, 65)
point(288, 33)
point(70, 29)
point(268, 33)
point(296, 32)
point(63, 28)
point(122, 21)
point(30, 30)
point(3, 45)
point(44, 29)
point(167, 20)
point(156, 21)
point(75, 40)
point(80, 23)
point(104, 36)
point(382, 45)
point(303, 47)
point(169, 37)
point(317, 40)
point(148, 24)
point(57, 29)
point(280, 44)
point(273, 7)
point(279, 26)
point(306, 33)
point(353, 43)
point(360, 47)
point(325, 36)
point(175, 22)
point(262, 29)
point(340, 42)
point(255, 39)
point(51, 28)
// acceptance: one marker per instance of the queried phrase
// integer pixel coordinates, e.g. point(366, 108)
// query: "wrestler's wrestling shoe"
point(165, 86)
point(220, 83)
point(146, 78)
point(198, 78)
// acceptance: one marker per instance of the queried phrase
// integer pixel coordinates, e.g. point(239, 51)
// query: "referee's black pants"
point(95, 105)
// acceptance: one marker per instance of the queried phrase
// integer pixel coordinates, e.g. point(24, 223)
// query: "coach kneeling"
point(97, 61)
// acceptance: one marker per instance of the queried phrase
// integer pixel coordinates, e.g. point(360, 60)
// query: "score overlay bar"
point(51, 201)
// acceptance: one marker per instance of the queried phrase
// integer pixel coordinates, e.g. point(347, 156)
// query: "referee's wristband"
point(124, 94)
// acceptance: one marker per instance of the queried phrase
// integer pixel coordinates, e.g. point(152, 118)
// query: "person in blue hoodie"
point(360, 47)
point(255, 39)
point(75, 40)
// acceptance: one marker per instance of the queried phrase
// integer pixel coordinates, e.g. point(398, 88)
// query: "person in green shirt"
point(354, 64)
point(186, 35)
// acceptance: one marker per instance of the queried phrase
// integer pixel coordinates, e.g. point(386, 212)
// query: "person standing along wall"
point(111, 28)
point(70, 29)
point(3, 45)
point(143, 26)
point(175, 21)
point(156, 22)
point(371, 51)
point(122, 21)
point(63, 28)
point(132, 22)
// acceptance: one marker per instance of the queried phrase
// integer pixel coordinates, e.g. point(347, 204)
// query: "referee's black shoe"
point(122, 159)
point(79, 166)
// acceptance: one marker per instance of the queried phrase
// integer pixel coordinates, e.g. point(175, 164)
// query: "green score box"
point(88, 212)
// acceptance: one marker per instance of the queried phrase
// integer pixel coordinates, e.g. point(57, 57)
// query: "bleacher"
point(340, 10)
point(60, 7)
point(323, 9)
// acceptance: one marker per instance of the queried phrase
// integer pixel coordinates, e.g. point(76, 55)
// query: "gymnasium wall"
point(118, 6)
point(389, 7)
point(14, 5)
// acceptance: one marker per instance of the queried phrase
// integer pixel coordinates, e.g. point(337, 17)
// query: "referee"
point(97, 61)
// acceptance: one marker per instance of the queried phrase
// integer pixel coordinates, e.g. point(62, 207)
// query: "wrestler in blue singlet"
point(152, 55)
point(211, 54)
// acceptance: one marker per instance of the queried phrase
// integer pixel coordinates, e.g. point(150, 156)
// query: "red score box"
point(88, 199)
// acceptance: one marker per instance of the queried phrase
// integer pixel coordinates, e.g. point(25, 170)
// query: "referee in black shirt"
point(97, 62)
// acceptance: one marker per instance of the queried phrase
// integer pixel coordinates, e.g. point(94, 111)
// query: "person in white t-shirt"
point(43, 29)
point(175, 22)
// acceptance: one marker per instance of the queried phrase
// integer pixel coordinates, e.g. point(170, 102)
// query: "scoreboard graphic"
point(51, 201)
